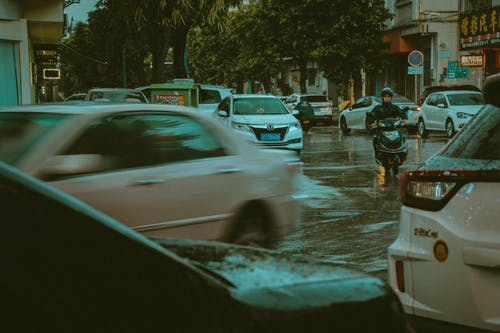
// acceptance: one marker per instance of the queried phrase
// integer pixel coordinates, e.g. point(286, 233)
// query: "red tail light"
point(432, 189)
point(400, 276)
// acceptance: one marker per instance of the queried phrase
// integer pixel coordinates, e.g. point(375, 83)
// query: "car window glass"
point(316, 99)
point(19, 131)
point(259, 106)
point(293, 99)
point(359, 103)
point(431, 100)
point(441, 100)
point(209, 96)
point(480, 139)
point(465, 99)
point(367, 101)
point(127, 141)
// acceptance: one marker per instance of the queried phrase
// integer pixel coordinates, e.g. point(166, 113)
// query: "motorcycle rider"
point(386, 109)
point(381, 112)
point(306, 112)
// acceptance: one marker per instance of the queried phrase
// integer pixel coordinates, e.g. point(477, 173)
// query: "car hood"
point(444, 163)
point(470, 109)
point(264, 119)
point(269, 279)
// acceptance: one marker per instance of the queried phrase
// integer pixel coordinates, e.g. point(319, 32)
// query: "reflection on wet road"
point(351, 214)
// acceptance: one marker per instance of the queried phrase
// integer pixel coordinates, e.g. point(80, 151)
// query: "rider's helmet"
point(386, 91)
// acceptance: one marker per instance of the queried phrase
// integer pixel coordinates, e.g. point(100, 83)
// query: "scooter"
point(389, 144)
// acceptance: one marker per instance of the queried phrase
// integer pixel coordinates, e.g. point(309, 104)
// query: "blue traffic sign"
point(416, 58)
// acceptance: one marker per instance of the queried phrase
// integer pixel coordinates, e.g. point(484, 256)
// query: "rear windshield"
point(316, 99)
point(480, 139)
point(465, 99)
point(20, 131)
point(259, 106)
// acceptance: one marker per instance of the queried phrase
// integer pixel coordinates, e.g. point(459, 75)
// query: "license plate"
point(270, 136)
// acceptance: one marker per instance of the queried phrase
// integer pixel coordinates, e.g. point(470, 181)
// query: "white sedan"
point(445, 261)
point(262, 119)
point(172, 173)
point(448, 111)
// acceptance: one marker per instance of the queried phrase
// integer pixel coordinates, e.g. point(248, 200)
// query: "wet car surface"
point(352, 211)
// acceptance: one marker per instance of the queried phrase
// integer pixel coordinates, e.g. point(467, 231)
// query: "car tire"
point(343, 126)
point(450, 128)
point(421, 130)
point(253, 227)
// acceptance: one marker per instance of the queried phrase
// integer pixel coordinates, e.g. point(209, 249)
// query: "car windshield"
point(465, 99)
point(480, 139)
point(259, 106)
point(316, 98)
point(20, 131)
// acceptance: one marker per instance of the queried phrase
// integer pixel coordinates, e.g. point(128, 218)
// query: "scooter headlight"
point(392, 135)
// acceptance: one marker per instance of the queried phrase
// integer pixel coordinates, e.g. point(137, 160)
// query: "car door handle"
point(228, 170)
point(149, 181)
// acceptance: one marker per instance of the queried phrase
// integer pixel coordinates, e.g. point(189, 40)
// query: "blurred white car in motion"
point(172, 173)
point(448, 111)
point(262, 119)
point(445, 261)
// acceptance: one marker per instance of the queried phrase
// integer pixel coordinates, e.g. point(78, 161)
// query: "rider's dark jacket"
point(387, 110)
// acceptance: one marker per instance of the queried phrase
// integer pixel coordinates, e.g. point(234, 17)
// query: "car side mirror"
point(441, 105)
point(223, 113)
point(63, 165)
point(295, 112)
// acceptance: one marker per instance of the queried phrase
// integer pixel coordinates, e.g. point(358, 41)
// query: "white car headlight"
point(241, 127)
point(295, 126)
point(463, 115)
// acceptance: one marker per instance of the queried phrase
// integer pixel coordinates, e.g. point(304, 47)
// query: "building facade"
point(448, 34)
point(30, 31)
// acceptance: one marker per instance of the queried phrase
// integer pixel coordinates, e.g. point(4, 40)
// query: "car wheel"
point(421, 129)
point(450, 128)
point(343, 126)
point(253, 227)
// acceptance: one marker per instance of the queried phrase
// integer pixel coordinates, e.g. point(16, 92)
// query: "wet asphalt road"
point(351, 214)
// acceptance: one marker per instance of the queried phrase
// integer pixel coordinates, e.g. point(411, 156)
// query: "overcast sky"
point(79, 10)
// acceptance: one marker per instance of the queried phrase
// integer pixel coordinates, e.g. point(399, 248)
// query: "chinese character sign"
point(480, 29)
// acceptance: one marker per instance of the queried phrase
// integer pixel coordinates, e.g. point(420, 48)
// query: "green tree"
point(352, 41)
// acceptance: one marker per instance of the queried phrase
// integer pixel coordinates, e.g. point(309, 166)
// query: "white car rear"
point(445, 261)
point(322, 109)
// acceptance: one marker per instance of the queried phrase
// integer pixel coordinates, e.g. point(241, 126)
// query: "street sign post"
point(416, 62)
